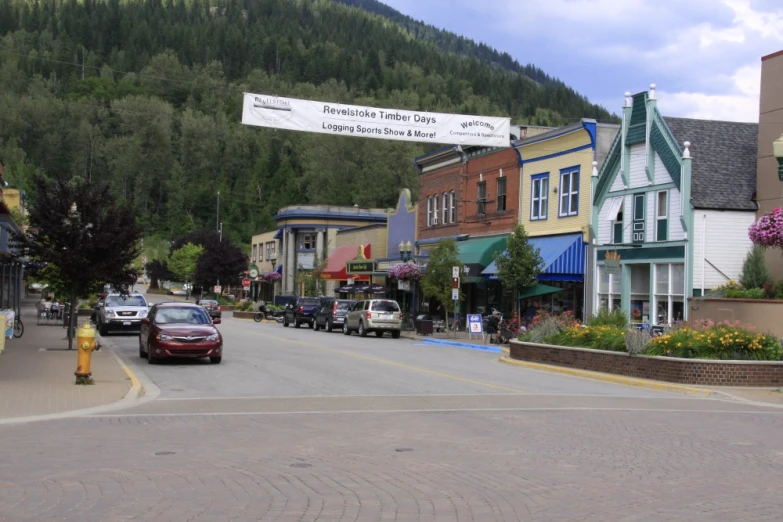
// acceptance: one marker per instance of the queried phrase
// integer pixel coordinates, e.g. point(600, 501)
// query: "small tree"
point(182, 261)
point(82, 235)
point(158, 270)
point(520, 263)
point(754, 270)
point(437, 281)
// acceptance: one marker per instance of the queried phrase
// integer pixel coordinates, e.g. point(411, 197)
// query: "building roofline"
point(773, 55)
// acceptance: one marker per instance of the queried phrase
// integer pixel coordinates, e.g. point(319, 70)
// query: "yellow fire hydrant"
point(85, 343)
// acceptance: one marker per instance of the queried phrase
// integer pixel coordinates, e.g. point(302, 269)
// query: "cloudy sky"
point(703, 55)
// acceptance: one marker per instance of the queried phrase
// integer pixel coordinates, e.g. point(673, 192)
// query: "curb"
point(615, 379)
point(471, 346)
point(137, 389)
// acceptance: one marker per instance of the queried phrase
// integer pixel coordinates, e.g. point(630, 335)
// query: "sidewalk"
point(36, 373)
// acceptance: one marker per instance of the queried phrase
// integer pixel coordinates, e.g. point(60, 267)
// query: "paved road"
point(299, 425)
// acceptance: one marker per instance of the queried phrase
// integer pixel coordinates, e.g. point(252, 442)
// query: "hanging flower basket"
point(768, 230)
point(272, 277)
point(405, 272)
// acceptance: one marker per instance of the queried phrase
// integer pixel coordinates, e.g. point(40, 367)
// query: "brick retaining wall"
point(668, 369)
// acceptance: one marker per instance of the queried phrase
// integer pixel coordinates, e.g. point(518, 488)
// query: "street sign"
point(455, 282)
point(246, 283)
point(475, 324)
point(454, 271)
point(218, 289)
point(455, 294)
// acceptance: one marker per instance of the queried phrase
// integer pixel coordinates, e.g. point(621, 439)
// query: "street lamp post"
point(777, 150)
point(406, 251)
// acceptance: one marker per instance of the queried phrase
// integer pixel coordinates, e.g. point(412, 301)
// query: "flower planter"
point(242, 315)
point(84, 312)
point(669, 369)
point(228, 308)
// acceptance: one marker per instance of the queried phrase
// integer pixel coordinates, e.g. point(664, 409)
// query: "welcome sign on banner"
point(368, 122)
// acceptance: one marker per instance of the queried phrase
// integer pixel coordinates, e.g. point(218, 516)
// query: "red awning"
point(335, 265)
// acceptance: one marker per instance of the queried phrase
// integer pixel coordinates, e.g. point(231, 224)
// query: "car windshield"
point(309, 302)
point(344, 305)
point(131, 300)
point(181, 315)
point(385, 306)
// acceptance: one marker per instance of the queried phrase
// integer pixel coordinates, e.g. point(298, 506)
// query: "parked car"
point(212, 307)
point(182, 330)
point(301, 311)
point(374, 315)
point(121, 313)
point(332, 314)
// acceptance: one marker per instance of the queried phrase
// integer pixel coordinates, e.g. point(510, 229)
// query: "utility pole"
point(217, 221)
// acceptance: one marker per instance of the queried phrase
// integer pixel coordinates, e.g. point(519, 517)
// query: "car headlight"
point(164, 337)
point(213, 337)
point(109, 312)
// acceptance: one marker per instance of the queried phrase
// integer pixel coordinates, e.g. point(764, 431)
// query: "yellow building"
point(263, 257)
point(555, 178)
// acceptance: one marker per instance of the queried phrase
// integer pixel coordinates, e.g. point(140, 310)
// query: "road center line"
point(398, 365)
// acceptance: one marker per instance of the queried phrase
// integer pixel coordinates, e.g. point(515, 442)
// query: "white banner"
point(368, 122)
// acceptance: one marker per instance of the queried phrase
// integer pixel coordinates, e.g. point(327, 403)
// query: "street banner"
point(263, 110)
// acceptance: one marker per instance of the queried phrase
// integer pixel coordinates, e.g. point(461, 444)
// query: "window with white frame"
point(255, 247)
point(569, 193)
point(539, 193)
point(669, 293)
point(270, 250)
point(435, 209)
point(481, 204)
point(445, 209)
point(501, 199)
point(452, 207)
point(307, 241)
point(640, 293)
point(429, 211)
point(662, 216)
point(610, 289)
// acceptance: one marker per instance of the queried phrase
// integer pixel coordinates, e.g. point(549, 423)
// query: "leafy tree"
point(755, 273)
point(221, 262)
point(157, 270)
point(520, 263)
point(436, 282)
point(182, 262)
point(83, 236)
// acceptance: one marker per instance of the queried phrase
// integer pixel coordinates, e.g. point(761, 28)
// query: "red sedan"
point(180, 330)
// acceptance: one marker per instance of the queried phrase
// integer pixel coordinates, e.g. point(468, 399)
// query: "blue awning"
point(278, 234)
point(279, 269)
point(563, 256)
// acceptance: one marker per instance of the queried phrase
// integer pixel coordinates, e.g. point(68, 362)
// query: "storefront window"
point(669, 293)
point(640, 293)
point(609, 289)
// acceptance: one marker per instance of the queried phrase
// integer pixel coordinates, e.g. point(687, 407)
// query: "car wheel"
point(329, 326)
point(142, 353)
point(379, 333)
point(346, 330)
point(103, 330)
point(285, 323)
point(216, 360)
point(362, 330)
point(296, 324)
point(151, 359)
point(395, 334)
point(316, 327)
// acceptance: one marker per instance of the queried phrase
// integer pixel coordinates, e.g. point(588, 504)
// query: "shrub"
point(543, 329)
point(606, 317)
point(754, 269)
point(636, 341)
point(752, 293)
point(724, 341)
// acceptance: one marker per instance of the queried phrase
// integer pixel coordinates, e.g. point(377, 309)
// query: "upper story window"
point(435, 210)
point(662, 216)
point(445, 208)
point(539, 193)
point(254, 252)
point(569, 193)
point(272, 250)
point(452, 207)
point(481, 199)
point(429, 211)
point(307, 241)
point(501, 199)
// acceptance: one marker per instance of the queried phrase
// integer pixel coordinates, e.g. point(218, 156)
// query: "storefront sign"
point(475, 324)
point(263, 110)
point(612, 263)
point(360, 267)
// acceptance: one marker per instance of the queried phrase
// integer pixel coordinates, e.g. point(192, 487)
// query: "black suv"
point(301, 310)
point(332, 314)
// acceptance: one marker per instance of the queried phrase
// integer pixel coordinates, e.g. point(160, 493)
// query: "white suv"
point(120, 313)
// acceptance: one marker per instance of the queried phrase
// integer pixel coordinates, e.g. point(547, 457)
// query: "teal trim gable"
point(637, 129)
point(661, 146)
point(609, 168)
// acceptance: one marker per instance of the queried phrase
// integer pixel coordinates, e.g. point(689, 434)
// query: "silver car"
point(374, 315)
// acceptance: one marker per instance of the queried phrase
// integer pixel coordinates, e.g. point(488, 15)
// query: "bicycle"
point(18, 327)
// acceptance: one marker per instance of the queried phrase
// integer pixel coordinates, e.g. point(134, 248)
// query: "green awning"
point(538, 290)
point(480, 250)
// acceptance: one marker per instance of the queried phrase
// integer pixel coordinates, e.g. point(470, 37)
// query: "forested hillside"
point(147, 94)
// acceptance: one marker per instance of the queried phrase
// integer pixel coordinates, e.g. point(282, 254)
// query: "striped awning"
point(563, 256)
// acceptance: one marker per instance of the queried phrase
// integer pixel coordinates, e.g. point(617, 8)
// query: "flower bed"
point(408, 271)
